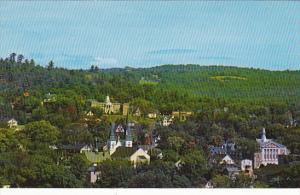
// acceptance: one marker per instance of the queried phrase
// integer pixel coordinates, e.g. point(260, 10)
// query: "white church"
point(269, 151)
point(115, 141)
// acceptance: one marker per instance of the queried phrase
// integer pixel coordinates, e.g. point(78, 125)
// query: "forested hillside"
point(192, 80)
point(52, 105)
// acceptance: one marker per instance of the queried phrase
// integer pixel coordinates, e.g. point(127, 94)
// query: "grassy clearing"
point(224, 78)
point(144, 82)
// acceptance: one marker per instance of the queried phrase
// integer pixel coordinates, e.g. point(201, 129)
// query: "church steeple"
point(263, 135)
point(128, 140)
point(112, 133)
point(112, 140)
point(107, 101)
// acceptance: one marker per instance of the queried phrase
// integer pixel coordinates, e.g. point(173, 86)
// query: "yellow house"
point(137, 157)
point(182, 115)
point(140, 157)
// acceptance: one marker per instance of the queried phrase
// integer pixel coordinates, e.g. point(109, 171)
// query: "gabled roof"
point(120, 129)
point(73, 147)
point(91, 169)
point(123, 152)
point(227, 157)
point(269, 142)
point(12, 120)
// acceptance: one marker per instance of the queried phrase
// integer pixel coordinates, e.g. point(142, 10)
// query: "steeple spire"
point(112, 133)
point(128, 140)
point(128, 133)
point(107, 99)
point(263, 135)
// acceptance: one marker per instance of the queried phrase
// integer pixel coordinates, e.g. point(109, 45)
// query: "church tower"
point(128, 140)
point(108, 106)
point(112, 140)
point(263, 135)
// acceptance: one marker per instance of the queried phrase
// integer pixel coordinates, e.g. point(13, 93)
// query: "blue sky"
point(142, 34)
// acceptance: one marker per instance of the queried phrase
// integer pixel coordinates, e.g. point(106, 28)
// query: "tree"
point(181, 181)
point(114, 173)
point(243, 181)
point(12, 57)
point(32, 62)
point(175, 142)
point(92, 69)
point(50, 65)
point(195, 166)
point(221, 181)
point(20, 58)
point(79, 165)
point(77, 133)
point(39, 134)
point(39, 113)
point(150, 179)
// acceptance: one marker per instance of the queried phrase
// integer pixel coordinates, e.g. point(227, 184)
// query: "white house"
point(12, 123)
point(227, 160)
point(167, 121)
point(246, 166)
point(209, 185)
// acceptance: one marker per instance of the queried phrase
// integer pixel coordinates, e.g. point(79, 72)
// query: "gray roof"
point(263, 144)
point(92, 169)
point(217, 150)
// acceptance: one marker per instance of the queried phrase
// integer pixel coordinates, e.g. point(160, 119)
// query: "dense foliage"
point(229, 103)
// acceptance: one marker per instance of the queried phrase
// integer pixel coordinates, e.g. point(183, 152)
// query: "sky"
point(143, 33)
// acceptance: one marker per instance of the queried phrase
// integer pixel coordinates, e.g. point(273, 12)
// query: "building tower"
point(128, 140)
point(263, 135)
point(108, 105)
point(96, 145)
point(112, 140)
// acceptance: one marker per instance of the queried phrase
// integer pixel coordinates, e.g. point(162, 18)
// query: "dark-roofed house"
point(93, 174)
point(138, 156)
point(214, 150)
point(232, 171)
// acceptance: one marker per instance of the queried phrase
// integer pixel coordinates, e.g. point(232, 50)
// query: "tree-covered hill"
point(51, 106)
point(228, 82)
point(167, 87)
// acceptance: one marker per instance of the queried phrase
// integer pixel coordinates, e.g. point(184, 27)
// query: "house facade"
point(135, 156)
point(167, 121)
point(182, 115)
point(247, 167)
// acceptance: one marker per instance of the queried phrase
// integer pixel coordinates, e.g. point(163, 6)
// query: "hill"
point(166, 87)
